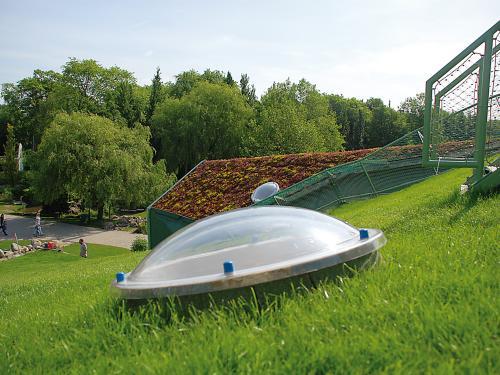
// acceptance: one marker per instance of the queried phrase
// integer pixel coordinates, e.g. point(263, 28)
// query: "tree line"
point(97, 135)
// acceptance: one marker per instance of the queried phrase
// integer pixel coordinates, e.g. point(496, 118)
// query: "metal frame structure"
point(473, 60)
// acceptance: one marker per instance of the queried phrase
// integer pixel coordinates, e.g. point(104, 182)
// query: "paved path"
point(23, 228)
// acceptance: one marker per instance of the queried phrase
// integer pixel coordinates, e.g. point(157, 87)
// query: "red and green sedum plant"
point(221, 185)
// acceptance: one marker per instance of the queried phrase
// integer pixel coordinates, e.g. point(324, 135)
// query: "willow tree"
point(92, 158)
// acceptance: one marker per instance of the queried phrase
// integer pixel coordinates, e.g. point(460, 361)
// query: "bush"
point(140, 244)
point(6, 195)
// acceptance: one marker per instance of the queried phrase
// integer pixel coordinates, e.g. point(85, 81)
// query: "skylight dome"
point(246, 247)
point(265, 191)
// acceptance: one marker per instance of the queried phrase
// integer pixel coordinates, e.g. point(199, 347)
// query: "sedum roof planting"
point(220, 185)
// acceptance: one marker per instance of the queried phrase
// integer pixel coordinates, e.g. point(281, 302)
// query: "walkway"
point(23, 228)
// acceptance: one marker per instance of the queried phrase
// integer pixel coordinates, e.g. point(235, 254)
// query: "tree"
point(86, 86)
point(295, 118)
point(26, 105)
point(83, 86)
point(155, 97)
point(229, 79)
point(10, 157)
point(184, 83)
point(413, 108)
point(91, 158)
point(124, 106)
point(247, 90)
point(4, 121)
point(352, 116)
point(207, 123)
point(386, 124)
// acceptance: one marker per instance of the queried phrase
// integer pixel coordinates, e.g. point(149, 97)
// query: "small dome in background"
point(265, 191)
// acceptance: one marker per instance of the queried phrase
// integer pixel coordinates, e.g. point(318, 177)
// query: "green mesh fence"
point(387, 169)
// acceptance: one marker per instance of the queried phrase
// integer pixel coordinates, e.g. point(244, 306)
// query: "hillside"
point(430, 307)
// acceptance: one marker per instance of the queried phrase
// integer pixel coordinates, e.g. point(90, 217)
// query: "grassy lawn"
point(5, 244)
point(430, 307)
point(14, 209)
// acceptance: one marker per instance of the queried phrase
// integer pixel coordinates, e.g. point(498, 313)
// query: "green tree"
point(413, 108)
point(295, 118)
point(247, 90)
point(124, 105)
point(4, 121)
point(207, 123)
point(352, 116)
point(92, 158)
point(86, 86)
point(155, 97)
point(83, 86)
point(229, 79)
point(26, 105)
point(11, 169)
point(386, 124)
point(184, 83)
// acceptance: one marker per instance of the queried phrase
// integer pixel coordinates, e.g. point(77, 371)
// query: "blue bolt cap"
point(228, 267)
point(363, 234)
point(120, 276)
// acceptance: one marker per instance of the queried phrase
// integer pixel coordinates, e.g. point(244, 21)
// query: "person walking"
point(38, 225)
point(3, 224)
point(83, 248)
point(4, 227)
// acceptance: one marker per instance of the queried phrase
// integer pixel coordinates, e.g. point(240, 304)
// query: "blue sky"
point(364, 49)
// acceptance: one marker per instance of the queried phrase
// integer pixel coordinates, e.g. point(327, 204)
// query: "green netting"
point(387, 169)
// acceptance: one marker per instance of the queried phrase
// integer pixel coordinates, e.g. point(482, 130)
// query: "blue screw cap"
point(363, 234)
point(120, 276)
point(228, 267)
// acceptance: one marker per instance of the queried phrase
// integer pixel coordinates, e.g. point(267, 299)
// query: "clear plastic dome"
point(265, 191)
point(263, 243)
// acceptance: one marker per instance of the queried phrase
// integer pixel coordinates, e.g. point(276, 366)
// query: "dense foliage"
point(91, 158)
point(140, 244)
point(199, 116)
point(207, 123)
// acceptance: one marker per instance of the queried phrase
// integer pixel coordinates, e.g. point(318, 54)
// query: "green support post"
point(482, 107)
point(435, 94)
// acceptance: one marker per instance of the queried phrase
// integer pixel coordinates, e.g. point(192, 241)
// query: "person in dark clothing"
point(3, 224)
point(4, 227)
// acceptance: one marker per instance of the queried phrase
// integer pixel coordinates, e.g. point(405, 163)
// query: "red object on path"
point(51, 245)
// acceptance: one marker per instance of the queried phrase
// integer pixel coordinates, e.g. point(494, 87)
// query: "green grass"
point(13, 209)
point(5, 244)
point(430, 307)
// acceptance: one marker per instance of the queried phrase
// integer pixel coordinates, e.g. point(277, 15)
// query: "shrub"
point(140, 244)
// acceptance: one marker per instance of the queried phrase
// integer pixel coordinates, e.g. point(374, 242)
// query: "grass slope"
point(430, 307)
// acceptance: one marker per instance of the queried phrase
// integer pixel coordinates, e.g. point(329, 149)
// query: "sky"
point(385, 49)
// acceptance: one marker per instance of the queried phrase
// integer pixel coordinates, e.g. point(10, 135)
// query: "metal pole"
point(482, 107)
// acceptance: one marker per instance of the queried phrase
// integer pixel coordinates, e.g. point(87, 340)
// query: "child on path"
point(38, 225)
